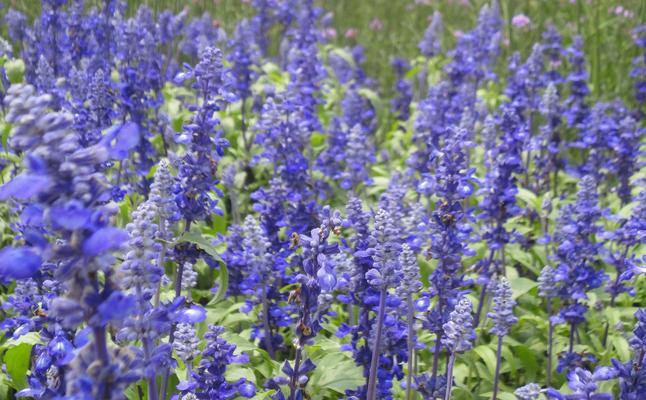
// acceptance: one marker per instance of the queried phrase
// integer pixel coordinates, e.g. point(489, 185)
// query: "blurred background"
point(389, 28)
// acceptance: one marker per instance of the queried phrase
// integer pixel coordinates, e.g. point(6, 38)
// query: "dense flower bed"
point(190, 213)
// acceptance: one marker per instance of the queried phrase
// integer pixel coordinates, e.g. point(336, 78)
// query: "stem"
point(147, 345)
point(171, 335)
point(480, 304)
point(152, 382)
point(492, 253)
point(294, 378)
point(604, 341)
point(265, 321)
point(374, 363)
point(449, 377)
point(410, 343)
point(529, 152)
point(101, 348)
point(160, 260)
point(436, 359)
point(497, 374)
point(550, 334)
point(571, 347)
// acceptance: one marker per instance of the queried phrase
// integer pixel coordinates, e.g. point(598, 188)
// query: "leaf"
point(223, 277)
point(223, 274)
point(335, 371)
point(520, 286)
point(528, 361)
point(501, 395)
point(15, 70)
point(200, 241)
point(529, 198)
point(488, 356)
point(235, 372)
point(6, 129)
point(16, 360)
point(30, 338)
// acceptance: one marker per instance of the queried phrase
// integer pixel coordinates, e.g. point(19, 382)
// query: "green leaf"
point(17, 360)
point(335, 371)
point(488, 356)
point(223, 277)
point(501, 395)
point(223, 274)
point(15, 70)
point(345, 55)
point(520, 286)
point(30, 338)
point(200, 241)
point(6, 130)
point(235, 372)
point(528, 361)
point(529, 198)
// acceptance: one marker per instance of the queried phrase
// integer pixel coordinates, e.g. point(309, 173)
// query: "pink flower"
point(329, 33)
point(520, 21)
point(376, 24)
point(351, 33)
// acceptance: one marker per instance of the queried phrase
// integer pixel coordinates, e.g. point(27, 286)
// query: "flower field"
point(319, 200)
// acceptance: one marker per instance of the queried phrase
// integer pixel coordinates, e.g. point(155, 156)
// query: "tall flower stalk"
point(503, 318)
point(382, 276)
point(410, 285)
point(459, 337)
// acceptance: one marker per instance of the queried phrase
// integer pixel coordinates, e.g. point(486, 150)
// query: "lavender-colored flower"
point(200, 33)
point(161, 196)
point(547, 144)
point(459, 332)
point(626, 149)
point(16, 25)
point(410, 282)
point(209, 378)
point(502, 314)
point(577, 251)
point(632, 374)
point(584, 384)
point(198, 167)
point(431, 43)
point(629, 234)
point(316, 279)
point(400, 104)
point(69, 199)
point(552, 47)
point(499, 189)
point(547, 285)
point(576, 108)
point(531, 391)
point(638, 72)
point(525, 81)
point(140, 269)
point(186, 344)
point(384, 274)
point(189, 278)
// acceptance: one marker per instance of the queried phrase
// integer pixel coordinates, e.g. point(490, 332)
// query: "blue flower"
point(458, 331)
point(431, 43)
point(502, 314)
point(632, 375)
point(17, 263)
